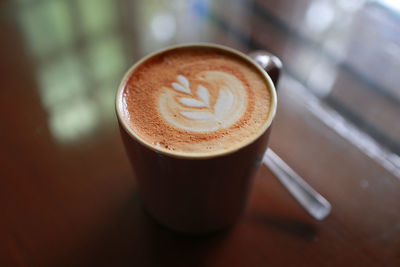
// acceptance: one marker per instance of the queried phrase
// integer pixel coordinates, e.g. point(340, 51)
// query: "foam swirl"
point(219, 101)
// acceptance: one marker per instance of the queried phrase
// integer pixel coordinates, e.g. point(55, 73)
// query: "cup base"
point(201, 233)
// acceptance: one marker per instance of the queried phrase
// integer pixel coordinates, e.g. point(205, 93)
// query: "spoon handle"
point(315, 204)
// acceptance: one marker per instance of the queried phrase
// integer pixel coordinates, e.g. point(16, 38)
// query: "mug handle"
point(270, 63)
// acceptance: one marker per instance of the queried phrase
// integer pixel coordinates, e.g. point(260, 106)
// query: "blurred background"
point(344, 53)
point(66, 184)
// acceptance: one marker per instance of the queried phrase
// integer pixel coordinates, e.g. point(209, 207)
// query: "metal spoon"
point(315, 204)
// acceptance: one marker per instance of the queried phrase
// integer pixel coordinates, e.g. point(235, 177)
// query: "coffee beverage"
point(196, 100)
point(195, 121)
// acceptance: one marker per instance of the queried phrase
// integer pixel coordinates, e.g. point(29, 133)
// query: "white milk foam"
point(191, 109)
point(196, 100)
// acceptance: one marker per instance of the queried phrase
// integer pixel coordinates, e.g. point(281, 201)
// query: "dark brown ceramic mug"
point(199, 194)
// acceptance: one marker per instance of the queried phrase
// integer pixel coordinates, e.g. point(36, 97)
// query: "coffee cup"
point(195, 121)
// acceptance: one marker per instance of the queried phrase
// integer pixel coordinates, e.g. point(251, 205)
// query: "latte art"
point(189, 109)
point(196, 100)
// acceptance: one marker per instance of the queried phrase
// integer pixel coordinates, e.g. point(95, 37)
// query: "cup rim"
point(191, 155)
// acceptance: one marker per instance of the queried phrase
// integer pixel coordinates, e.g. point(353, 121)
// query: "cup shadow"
point(303, 230)
point(136, 239)
point(133, 238)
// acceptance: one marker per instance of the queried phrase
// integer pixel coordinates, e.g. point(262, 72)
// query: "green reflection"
point(74, 119)
point(107, 64)
point(106, 58)
point(79, 59)
point(105, 100)
point(61, 80)
point(46, 25)
point(96, 15)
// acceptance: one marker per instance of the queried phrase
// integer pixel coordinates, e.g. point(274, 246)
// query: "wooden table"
point(67, 193)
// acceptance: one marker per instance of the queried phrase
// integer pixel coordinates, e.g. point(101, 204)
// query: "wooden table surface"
point(67, 192)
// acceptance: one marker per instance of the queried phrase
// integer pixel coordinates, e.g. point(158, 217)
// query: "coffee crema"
point(195, 100)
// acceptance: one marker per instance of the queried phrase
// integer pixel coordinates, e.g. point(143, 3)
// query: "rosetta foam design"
point(196, 113)
point(196, 100)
